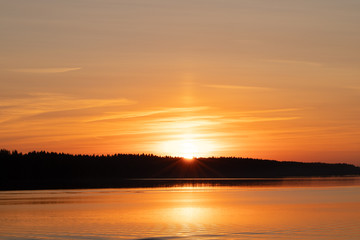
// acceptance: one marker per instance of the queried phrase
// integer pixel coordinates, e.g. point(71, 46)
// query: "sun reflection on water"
point(188, 214)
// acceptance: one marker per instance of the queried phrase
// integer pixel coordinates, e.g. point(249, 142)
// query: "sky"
point(247, 78)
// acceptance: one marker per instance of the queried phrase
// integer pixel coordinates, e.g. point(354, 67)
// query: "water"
point(320, 208)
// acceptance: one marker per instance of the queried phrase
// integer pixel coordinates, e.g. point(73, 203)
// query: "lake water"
point(318, 208)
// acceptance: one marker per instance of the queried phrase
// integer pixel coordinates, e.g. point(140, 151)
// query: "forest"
point(51, 170)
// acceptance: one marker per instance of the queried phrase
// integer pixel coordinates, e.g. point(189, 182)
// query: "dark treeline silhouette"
point(48, 170)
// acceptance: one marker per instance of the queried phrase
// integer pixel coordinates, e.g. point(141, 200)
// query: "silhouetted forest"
point(48, 170)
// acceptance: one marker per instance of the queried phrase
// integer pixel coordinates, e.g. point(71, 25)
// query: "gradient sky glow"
point(254, 78)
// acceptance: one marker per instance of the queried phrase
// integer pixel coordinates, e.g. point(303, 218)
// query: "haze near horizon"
point(261, 79)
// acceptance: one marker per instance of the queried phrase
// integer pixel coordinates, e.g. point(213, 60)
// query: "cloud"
point(214, 121)
point(45, 101)
point(238, 87)
point(294, 62)
point(146, 113)
point(41, 104)
point(199, 118)
point(44, 70)
point(271, 110)
point(261, 119)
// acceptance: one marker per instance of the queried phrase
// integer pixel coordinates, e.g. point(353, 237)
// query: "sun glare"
point(188, 149)
point(187, 146)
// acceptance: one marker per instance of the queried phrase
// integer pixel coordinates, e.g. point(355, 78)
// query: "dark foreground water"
point(320, 208)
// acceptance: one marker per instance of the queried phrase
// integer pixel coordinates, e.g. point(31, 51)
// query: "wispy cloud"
point(214, 121)
point(260, 119)
point(294, 62)
point(146, 113)
point(44, 103)
point(238, 87)
point(275, 110)
point(200, 117)
point(45, 70)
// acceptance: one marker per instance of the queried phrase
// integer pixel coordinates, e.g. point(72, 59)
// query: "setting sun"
point(188, 149)
point(187, 146)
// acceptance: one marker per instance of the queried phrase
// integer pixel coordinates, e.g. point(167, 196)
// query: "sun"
point(187, 146)
point(188, 149)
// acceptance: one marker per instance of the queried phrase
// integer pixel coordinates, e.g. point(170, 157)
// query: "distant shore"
point(45, 170)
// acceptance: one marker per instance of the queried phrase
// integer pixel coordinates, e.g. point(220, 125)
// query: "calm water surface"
point(291, 209)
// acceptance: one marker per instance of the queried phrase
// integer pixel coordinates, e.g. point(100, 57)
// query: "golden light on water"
point(262, 212)
point(189, 214)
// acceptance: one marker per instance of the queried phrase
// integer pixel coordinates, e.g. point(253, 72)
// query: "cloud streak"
point(238, 87)
point(294, 62)
point(275, 110)
point(45, 70)
point(145, 113)
point(260, 119)
point(41, 104)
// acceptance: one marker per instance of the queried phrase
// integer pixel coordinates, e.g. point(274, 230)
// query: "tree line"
point(39, 170)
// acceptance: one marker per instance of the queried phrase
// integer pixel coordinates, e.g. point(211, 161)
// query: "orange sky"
point(265, 79)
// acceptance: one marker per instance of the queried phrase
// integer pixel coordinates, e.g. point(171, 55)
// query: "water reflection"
point(241, 182)
point(186, 212)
